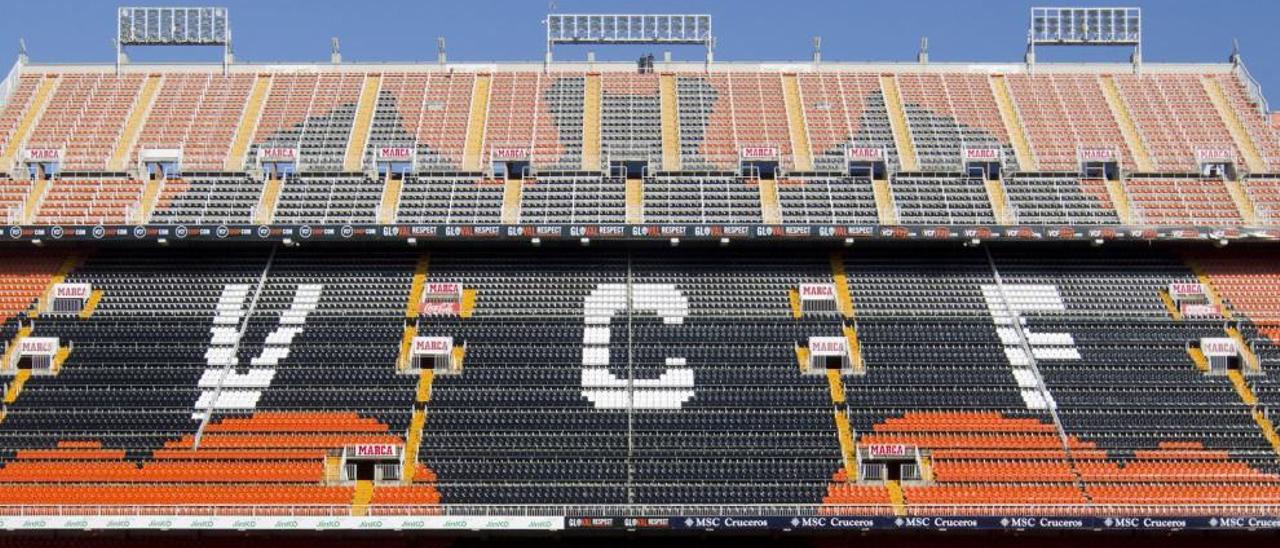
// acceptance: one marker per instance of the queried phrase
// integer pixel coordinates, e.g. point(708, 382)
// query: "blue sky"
point(482, 30)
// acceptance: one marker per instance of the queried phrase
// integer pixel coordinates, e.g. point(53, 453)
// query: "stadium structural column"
point(30, 119)
point(1231, 119)
point(902, 138)
point(1128, 129)
point(473, 151)
point(360, 127)
point(248, 125)
point(770, 207)
point(133, 126)
point(801, 155)
point(591, 105)
point(1012, 123)
point(670, 107)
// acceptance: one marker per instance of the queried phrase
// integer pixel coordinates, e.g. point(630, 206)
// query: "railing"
point(1251, 84)
point(10, 82)
point(1146, 509)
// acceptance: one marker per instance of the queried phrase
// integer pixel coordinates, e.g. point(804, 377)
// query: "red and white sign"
point(981, 155)
point(43, 155)
point(510, 153)
point(432, 346)
point(1199, 310)
point(1098, 154)
point(394, 154)
point(72, 291)
point(759, 153)
point(1186, 290)
point(1217, 154)
point(38, 346)
point(444, 289)
point(1219, 347)
point(817, 292)
point(864, 154)
point(375, 450)
point(441, 308)
point(828, 346)
point(882, 450)
point(278, 154)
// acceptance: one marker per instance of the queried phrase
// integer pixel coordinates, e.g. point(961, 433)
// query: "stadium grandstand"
point(660, 295)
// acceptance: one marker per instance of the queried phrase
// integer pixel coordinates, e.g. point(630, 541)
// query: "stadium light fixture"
point(1078, 26)
point(617, 28)
point(173, 26)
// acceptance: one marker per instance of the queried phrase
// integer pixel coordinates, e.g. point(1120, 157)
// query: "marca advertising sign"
point(1215, 154)
point(1219, 347)
point(432, 346)
point(42, 155)
point(828, 346)
point(864, 154)
point(510, 153)
point(1098, 154)
point(817, 292)
point(72, 291)
point(981, 155)
point(394, 154)
point(449, 289)
point(884, 450)
point(38, 346)
point(759, 153)
point(1186, 290)
point(278, 154)
point(1199, 310)
point(373, 450)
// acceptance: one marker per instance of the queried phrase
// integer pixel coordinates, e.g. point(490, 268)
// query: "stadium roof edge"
point(630, 67)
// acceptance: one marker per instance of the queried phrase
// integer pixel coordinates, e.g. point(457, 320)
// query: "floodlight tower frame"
point(1059, 26)
point(622, 28)
point(173, 26)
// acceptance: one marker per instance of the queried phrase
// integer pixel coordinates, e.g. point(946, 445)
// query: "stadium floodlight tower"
point(172, 26)
point(690, 29)
point(1085, 27)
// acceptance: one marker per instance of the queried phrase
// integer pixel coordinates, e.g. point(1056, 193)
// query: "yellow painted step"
point(1244, 204)
point(836, 385)
point(793, 296)
point(95, 298)
point(248, 125)
point(59, 358)
point(801, 154)
point(1247, 356)
point(426, 378)
point(120, 159)
point(473, 152)
point(770, 207)
point(30, 118)
point(512, 194)
point(669, 104)
point(459, 353)
point(1210, 291)
point(360, 499)
point(412, 442)
point(34, 198)
point(1231, 118)
point(15, 386)
point(1013, 123)
point(406, 341)
point(1132, 137)
point(418, 285)
point(151, 190)
point(359, 138)
point(1268, 429)
point(885, 209)
point(1120, 200)
point(267, 204)
point(802, 357)
point(1242, 388)
point(848, 455)
point(926, 468)
point(468, 306)
point(1198, 358)
point(332, 468)
point(635, 201)
point(844, 299)
point(390, 201)
point(855, 349)
point(591, 124)
point(896, 497)
point(999, 202)
point(898, 123)
point(1169, 305)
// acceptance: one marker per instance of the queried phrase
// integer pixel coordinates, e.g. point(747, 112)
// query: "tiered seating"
point(1060, 200)
point(335, 199)
point(1249, 285)
point(1175, 116)
point(1265, 194)
point(1182, 202)
point(520, 116)
point(1259, 128)
point(90, 201)
point(827, 200)
point(207, 200)
point(949, 113)
point(424, 110)
point(565, 97)
point(197, 113)
point(573, 200)
point(85, 117)
point(1063, 113)
point(941, 200)
point(630, 124)
point(450, 200)
point(723, 112)
point(713, 199)
point(843, 108)
point(15, 108)
point(313, 113)
point(23, 279)
point(13, 194)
